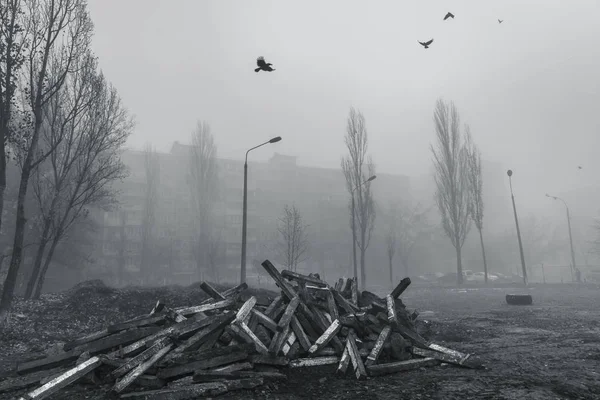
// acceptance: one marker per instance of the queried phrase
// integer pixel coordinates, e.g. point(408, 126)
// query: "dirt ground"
point(549, 350)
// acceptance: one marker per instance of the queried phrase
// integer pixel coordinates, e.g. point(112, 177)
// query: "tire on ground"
point(519, 299)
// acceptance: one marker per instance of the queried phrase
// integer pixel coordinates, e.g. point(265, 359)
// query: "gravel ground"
point(545, 351)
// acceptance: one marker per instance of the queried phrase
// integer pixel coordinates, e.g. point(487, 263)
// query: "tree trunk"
point(35, 272)
point(459, 271)
point(17, 254)
point(405, 264)
point(390, 259)
point(485, 270)
point(2, 174)
point(42, 277)
point(121, 271)
point(363, 273)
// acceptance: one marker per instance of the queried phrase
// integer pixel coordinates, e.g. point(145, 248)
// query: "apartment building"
point(320, 194)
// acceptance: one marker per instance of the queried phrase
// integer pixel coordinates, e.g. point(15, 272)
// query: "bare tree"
point(84, 164)
point(203, 180)
point(293, 240)
point(152, 174)
point(476, 188)
point(12, 41)
point(214, 254)
point(391, 239)
point(451, 178)
point(59, 33)
point(357, 169)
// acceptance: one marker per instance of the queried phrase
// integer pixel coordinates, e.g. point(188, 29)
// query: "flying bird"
point(263, 65)
point(426, 44)
point(579, 167)
point(449, 15)
point(500, 21)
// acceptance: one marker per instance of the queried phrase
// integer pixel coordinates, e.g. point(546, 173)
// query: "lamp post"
point(354, 227)
point(245, 207)
point(573, 264)
point(509, 173)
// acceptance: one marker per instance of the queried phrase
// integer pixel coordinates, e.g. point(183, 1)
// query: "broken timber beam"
point(63, 380)
point(400, 288)
point(326, 337)
point(290, 275)
point(140, 369)
point(393, 367)
point(376, 351)
point(355, 358)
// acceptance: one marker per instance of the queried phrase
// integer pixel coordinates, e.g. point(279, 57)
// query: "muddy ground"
point(546, 351)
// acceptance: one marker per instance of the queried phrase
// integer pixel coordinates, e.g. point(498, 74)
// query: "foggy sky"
point(529, 87)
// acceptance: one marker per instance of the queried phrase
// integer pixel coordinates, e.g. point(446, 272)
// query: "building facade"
point(320, 194)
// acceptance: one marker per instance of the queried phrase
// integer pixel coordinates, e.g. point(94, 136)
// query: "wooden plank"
point(344, 361)
point(331, 304)
point(288, 314)
point(300, 333)
point(450, 352)
point(245, 309)
point(234, 367)
point(278, 341)
point(63, 380)
point(265, 320)
point(313, 361)
point(260, 347)
point(443, 357)
point(277, 302)
point(140, 369)
point(269, 360)
point(326, 337)
point(286, 289)
point(218, 323)
point(399, 366)
point(188, 369)
point(345, 304)
point(209, 376)
point(391, 310)
point(400, 288)
point(85, 339)
point(355, 358)
point(149, 382)
point(97, 346)
point(290, 275)
point(376, 351)
point(137, 323)
point(137, 360)
point(21, 382)
point(288, 343)
point(323, 325)
point(211, 291)
point(227, 303)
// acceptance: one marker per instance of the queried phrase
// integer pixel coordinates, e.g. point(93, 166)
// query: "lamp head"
point(509, 173)
point(275, 139)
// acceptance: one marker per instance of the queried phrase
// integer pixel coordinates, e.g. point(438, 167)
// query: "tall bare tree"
point(85, 163)
point(391, 239)
point(452, 194)
point(59, 33)
point(152, 177)
point(203, 180)
point(357, 169)
point(13, 38)
point(293, 240)
point(476, 187)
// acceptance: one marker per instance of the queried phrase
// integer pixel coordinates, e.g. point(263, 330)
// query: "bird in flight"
point(579, 167)
point(426, 44)
point(263, 65)
point(449, 15)
point(500, 21)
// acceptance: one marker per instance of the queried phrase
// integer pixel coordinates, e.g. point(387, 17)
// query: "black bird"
point(500, 21)
point(449, 15)
point(426, 44)
point(263, 65)
point(579, 167)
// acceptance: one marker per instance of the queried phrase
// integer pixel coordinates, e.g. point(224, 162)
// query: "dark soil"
point(549, 350)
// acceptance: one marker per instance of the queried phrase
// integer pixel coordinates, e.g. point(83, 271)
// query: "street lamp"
point(354, 229)
point(245, 207)
point(574, 265)
point(509, 173)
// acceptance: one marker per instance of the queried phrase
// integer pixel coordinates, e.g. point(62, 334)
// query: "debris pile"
point(226, 344)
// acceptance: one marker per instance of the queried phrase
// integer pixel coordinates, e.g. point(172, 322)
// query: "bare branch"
point(293, 244)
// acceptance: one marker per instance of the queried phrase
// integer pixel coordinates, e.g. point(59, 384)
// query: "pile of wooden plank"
point(226, 344)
